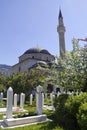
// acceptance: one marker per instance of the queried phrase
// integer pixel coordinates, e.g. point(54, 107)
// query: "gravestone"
point(77, 93)
point(18, 98)
point(9, 103)
point(46, 95)
point(80, 92)
point(31, 97)
point(22, 100)
point(58, 93)
point(1, 96)
point(15, 100)
point(42, 100)
point(52, 96)
point(39, 100)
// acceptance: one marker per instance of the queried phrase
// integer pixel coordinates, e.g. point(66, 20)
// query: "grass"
point(2, 104)
point(1, 116)
point(41, 126)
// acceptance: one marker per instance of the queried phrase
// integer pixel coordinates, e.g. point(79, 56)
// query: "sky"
point(30, 23)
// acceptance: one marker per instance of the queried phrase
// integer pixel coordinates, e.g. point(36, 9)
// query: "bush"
point(82, 116)
point(63, 116)
point(71, 111)
point(73, 103)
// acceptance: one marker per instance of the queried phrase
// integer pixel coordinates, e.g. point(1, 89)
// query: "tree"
point(26, 82)
point(71, 71)
point(2, 83)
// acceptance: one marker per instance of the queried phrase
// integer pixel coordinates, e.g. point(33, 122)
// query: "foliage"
point(17, 82)
point(74, 102)
point(2, 104)
point(47, 101)
point(1, 116)
point(26, 82)
point(70, 72)
point(71, 111)
point(2, 83)
point(63, 117)
point(82, 116)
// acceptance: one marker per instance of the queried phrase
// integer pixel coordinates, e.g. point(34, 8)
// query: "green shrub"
point(71, 111)
point(60, 101)
point(63, 116)
point(47, 101)
point(2, 104)
point(82, 116)
point(73, 103)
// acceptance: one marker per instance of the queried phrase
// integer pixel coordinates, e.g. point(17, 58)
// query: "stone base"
point(25, 120)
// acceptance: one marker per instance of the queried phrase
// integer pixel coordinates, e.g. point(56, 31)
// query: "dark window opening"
point(19, 69)
point(32, 57)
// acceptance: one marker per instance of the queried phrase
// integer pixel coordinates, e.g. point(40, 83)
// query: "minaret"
point(61, 31)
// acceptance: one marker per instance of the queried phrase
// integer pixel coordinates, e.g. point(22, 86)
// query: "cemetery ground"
point(70, 113)
point(30, 111)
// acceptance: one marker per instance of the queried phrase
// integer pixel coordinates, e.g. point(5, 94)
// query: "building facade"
point(31, 57)
point(36, 55)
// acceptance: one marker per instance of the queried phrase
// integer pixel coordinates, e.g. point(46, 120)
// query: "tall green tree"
point(71, 71)
point(26, 82)
point(2, 83)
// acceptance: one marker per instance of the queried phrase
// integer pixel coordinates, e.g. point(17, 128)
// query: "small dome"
point(36, 50)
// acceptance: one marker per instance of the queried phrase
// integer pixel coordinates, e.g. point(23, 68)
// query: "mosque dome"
point(36, 50)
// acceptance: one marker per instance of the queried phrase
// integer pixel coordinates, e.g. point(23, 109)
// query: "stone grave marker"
point(9, 103)
point(39, 100)
point(22, 100)
point(31, 98)
point(15, 100)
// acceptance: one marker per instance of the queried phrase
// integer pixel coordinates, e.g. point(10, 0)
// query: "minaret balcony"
point(61, 29)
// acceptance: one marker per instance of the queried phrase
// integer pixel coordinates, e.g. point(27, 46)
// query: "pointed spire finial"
point(60, 13)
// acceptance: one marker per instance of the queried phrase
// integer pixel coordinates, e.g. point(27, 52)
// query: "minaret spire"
point(60, 14)
point(61, 32)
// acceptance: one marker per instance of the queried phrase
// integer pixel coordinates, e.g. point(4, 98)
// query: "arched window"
point(47, 58)
point(32, 57)
point(19, 68)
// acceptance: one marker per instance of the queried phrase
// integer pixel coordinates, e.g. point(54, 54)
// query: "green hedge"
point(71, 111)
point(82, 116)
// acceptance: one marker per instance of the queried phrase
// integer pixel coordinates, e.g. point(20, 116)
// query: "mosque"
point(31, 57)
point(35, 55)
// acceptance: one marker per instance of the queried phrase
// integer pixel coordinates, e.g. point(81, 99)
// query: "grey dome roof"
point(36, 50)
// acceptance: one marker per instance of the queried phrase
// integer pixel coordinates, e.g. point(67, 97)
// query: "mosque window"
point(47, 58)
point(19, 68)
point(32, 57)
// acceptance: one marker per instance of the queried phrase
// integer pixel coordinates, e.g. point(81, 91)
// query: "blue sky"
point(29, 23)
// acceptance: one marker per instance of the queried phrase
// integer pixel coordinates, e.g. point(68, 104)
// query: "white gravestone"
point(1, 97)
point(58, 94)
point(42, 100)
point(9, 103)
point(31, 97)
point(39, 100)
point(18, 98)
point(77, 93)
point(52, 96)
point(22, 100)
point(15, 100)
point(46, 95)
